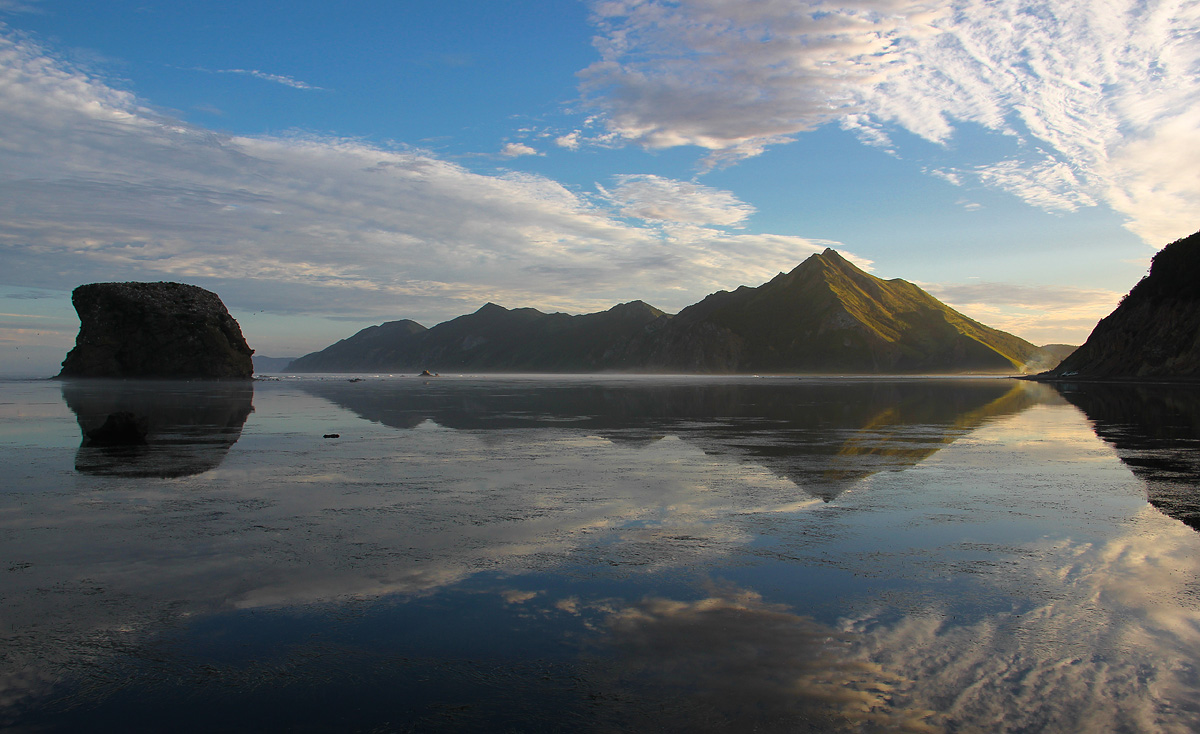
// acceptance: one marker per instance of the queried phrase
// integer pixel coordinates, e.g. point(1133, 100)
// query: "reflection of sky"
point(1019, 564)
point(1110, 643)
point(732, 662)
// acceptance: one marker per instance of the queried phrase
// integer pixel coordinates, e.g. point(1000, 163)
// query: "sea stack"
point(155, 330)
point(1154, 333)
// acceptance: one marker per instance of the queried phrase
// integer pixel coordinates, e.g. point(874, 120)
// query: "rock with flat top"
point(169, 330)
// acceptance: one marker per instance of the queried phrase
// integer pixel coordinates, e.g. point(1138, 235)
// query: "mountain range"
point(825, 316)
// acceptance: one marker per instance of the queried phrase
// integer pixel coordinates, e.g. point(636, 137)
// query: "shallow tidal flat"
point(605, 553)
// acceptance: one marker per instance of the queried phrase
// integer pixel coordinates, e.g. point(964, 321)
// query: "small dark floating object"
point(120, 429)
point(355, 379)
point(332, 435)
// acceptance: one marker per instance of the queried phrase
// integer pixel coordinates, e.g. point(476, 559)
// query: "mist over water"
point(599, 553)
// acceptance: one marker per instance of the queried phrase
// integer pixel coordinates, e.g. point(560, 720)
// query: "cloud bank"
point(100, 187)
point(1099, 99)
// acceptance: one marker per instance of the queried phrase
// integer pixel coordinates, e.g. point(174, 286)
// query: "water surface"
point(604, 553)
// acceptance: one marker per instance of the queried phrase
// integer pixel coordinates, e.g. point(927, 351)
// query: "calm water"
point(601, 554)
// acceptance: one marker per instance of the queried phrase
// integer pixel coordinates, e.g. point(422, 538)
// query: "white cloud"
point(513, 150)
point(286, 81)
point(736, 77)
point(570, 141)
point(1102, 97)
point(98, 187)
point(667, 200)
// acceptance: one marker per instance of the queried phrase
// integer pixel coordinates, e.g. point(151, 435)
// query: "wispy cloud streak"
point(286, 81)
point(1100, 97)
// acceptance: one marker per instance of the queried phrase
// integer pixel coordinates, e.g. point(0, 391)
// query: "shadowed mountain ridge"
point(1154, 332)
point(825, 316)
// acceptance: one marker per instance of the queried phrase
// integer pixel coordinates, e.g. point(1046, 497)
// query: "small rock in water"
point(332, 435)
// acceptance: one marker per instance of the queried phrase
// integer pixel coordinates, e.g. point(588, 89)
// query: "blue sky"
point(327, 167)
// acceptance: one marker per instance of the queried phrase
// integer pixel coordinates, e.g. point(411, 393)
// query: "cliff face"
point(1155, 331)
point(155, 330)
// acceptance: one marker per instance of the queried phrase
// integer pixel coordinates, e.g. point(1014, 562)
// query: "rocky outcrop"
point(1154, 333)
point(155, 330)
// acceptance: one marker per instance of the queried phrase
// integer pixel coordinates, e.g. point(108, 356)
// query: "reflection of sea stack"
point(143, 428)
point(155, 330)
point(119, 429)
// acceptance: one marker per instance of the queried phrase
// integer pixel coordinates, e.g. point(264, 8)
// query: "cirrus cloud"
point(286, 81)
point(1101, 98)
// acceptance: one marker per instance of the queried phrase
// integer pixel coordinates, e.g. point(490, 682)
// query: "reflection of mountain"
point(824, 435)
point(189, 426)
point(1156, 432)
point(904, 435)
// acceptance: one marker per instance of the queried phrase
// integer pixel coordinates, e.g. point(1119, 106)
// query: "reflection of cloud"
point(1112, 647)
point(101, 566)
point(1100, 99)
point(732, 662)
point(514, 596)
point(94, 569)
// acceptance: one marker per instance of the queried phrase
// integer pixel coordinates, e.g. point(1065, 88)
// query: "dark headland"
point(1153, 334)
point(825, 316)
point(155, 330)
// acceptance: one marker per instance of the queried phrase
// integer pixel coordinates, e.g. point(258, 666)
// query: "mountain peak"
point(825, 316)
point(638, 307)
point(829, 261)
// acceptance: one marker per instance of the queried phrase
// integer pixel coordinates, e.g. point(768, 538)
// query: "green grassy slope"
point(827, 315)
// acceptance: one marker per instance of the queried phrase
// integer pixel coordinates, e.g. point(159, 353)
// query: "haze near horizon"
point(324, 169)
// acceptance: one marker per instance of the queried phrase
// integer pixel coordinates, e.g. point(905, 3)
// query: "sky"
point(326, 167)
